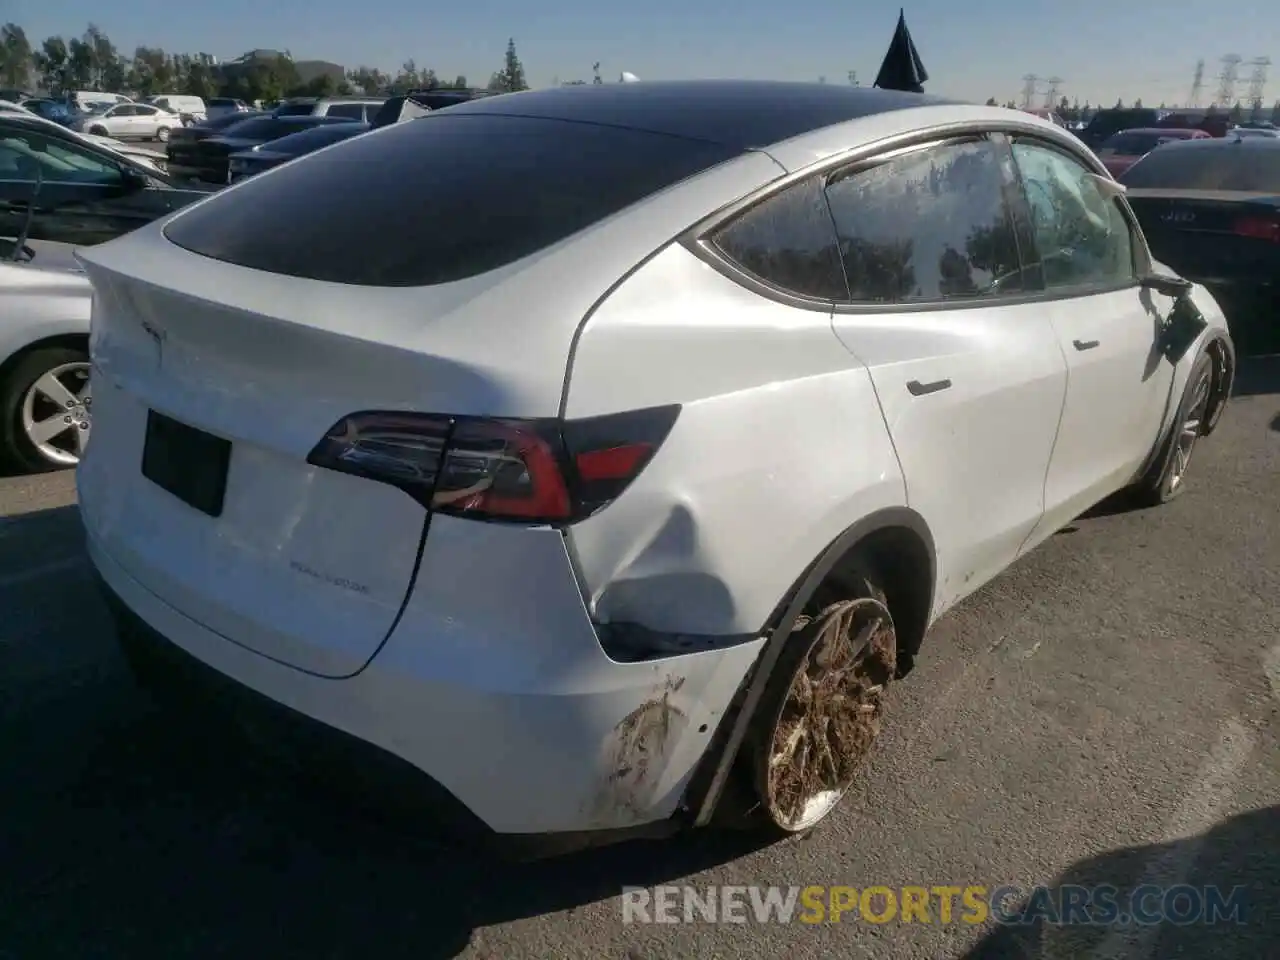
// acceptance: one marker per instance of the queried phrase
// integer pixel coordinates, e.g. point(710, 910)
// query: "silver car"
point(128, 121)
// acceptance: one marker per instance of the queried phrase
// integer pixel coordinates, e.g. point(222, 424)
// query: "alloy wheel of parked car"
point(1192, 425)
point(98, 130)
point(56, 413)
point(822, 727)
point(163, 134)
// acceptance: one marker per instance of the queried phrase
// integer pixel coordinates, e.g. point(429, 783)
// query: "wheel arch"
point(1223, 354)
point(897, 542)
point(71, 341)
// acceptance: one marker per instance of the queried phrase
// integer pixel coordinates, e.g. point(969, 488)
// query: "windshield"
point(1250, 167)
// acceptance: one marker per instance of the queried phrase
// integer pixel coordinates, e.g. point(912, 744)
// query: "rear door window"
point(437, 200)
point(928, 225)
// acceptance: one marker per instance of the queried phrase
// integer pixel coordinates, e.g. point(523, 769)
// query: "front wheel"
point(98, 131)
point(163, 134)
point(821, 712)
point(1170, 479)
point(46, 406)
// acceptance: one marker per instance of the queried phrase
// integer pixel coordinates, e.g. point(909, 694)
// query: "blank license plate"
point(188, 463)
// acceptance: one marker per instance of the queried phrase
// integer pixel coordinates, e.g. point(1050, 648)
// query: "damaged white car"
point(592, 455)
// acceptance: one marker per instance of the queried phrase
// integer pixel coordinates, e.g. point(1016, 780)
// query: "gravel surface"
point(1105, 711)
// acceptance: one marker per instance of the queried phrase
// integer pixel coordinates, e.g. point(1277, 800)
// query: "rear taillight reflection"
point(529, 471)
point(1259, 228)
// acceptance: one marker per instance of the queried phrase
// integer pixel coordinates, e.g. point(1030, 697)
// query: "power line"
point(1226, 94)
point(1051, 95)
point(1258, 82)
point(1029, 90)
point(1197, 85)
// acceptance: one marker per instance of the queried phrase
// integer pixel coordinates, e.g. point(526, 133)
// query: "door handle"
point(919, 389)
point(1084, 344)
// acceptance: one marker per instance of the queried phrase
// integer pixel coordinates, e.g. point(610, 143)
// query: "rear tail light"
point(522, 471)
point(1259, 228)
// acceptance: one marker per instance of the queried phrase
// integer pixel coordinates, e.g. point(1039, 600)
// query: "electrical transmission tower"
point(1257, 83)
point(1029, 90)
point(1226, 94)
point(853, 78)
point(1197, 85)
point(1051, 95)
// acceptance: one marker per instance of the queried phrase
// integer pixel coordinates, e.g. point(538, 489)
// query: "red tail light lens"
point(1259, 228)
point(524, 471)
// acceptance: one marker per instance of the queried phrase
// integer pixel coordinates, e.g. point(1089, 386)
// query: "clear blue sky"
point(1102, 48)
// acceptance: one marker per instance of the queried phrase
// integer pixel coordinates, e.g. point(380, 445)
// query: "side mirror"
point(1174, 287)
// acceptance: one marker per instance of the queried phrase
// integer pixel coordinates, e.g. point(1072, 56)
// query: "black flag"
point(902, 68)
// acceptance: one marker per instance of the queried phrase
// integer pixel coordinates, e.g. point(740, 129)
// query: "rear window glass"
point(437, 199)
point(1220, 166)
point(295, 109)
point(316, 138)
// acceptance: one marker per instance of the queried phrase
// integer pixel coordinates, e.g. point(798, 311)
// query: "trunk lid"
point(307, 566)
point(1209, 235)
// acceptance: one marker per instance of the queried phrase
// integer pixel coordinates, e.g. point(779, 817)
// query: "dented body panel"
point(692, 546)
point(499, 710)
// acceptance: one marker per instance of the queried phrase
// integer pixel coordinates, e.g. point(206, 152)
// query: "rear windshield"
point(259, 127)
point(1133, 144)
point(437, 199)
point(1218, 166)
point(228, 120)
point(308, 140)
point(295, 110)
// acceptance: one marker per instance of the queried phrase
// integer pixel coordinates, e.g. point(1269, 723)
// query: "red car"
point(1122, 150)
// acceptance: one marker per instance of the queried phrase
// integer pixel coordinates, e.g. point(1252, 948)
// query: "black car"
point(1210, 209)
point(265, 156)
point(179, 148)
point(58, 191)
point(54, 110)
point(208, 159)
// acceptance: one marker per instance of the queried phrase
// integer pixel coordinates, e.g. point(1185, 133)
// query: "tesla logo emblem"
point(1179, 216)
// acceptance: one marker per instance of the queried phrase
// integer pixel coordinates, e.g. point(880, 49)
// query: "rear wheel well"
point(903, 567)
point(70, 341)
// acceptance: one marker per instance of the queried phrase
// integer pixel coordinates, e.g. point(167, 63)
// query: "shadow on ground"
point(133, 833)
point(1242, 852)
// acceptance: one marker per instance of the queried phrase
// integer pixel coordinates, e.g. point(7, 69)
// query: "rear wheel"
point(46, 405)
point(98, 131)
point(163, 134)
point(822, 709)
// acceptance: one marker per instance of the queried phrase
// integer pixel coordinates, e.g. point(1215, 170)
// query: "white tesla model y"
point(574, 455)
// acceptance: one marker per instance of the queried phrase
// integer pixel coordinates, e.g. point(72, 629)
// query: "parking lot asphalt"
point(1107, 710)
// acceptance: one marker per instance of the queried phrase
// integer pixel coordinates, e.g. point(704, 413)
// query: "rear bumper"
point(530, 753)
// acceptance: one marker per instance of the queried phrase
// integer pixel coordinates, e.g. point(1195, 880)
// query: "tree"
point(460, 82)
point(1275, 113)
point(1119, 104)
point(200, 80)
point(1237, 113)
point(991, 102)
point(1137, 104)
point(511, 77)
point(15, 56)
point(151, 73)
point(51, 62)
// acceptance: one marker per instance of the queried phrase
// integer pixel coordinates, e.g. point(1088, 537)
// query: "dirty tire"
point(821, 712)
point(163, 134)
point(1169, 478)
point(16, 448)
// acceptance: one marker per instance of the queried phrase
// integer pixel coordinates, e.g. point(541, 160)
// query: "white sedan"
point(587, 451)
point(128, 121)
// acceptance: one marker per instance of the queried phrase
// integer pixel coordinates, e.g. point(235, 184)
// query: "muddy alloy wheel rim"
point(831, 715)
point(1189, 433)
point(57, 413)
